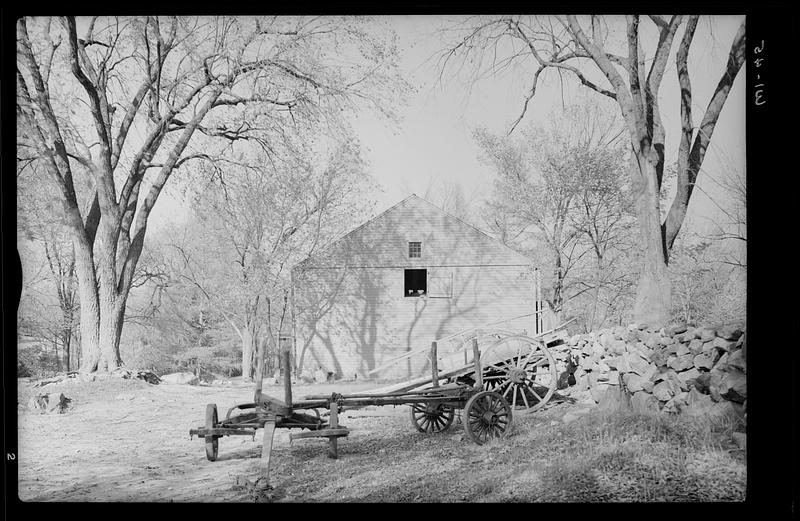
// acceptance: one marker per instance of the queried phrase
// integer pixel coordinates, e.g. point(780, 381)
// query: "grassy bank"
point(601, 457)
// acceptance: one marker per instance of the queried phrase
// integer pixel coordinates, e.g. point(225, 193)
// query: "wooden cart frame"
point(486, 412)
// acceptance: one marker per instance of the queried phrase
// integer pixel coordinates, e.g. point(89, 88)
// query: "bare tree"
point(133, 100)
point(40, 222)
point(263, 223)
point(450, 197)
point(569, 46)
point(703, 288)
point(730, 226)
point(561, 197)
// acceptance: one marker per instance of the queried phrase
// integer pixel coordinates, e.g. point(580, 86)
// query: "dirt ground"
point(127, 441)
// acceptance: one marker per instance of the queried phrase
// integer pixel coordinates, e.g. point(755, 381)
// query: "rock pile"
point(683, 369)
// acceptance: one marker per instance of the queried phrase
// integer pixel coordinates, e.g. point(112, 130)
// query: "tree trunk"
point(67, 315)
point(654, 293)
point(55, 350)
point(67, 340)
point(248, 350)
point(111, 319)
point(77, 352)
point(102, 310)
point(89, 310)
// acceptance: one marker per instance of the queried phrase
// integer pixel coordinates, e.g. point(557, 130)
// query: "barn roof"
point(382, 241)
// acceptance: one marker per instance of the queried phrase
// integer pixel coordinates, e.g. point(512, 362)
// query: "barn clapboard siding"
point(351, 309)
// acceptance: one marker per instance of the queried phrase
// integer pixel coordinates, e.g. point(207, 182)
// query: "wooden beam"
point(287, 377)
point(476, 360)
point(322, 433)
point(333, 441)
point(423, 392)
point(266, 450)
point(259, 370)
point(434, 365)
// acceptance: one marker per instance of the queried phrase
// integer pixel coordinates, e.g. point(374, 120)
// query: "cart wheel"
point(431, 417)
point(212, 443)
point(486, 415)
point(522, 370)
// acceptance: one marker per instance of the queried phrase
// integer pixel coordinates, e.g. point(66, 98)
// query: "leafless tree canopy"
point(112, 107)
point(594, 52)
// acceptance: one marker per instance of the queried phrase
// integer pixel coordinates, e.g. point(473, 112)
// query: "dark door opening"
point(416, 283)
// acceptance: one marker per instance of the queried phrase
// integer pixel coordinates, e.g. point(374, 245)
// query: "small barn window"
point(416, 283)
point(414, 249)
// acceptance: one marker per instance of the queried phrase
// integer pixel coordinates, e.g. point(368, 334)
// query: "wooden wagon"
point(514, 372)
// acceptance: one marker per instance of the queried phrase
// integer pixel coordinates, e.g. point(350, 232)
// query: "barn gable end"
point(445, 240)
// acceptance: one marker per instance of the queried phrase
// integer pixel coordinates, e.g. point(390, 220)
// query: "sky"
point(433, 142)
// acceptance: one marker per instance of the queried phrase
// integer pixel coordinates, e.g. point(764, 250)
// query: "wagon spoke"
point(514, 399)
point(533, 361)
point(540, 361)
point(483, 431)
point(536, 394)
point(476, 427)
point(525, 399)
point(505, 382)
point(499, 366)
point(528, 358)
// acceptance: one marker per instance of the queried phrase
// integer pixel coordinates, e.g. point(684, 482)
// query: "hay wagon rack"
point(515, 372)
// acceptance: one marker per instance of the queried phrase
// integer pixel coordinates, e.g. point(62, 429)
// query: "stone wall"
point(683, 369)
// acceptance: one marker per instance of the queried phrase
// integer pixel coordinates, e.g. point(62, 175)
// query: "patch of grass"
point(601, 457)
point(628, 456)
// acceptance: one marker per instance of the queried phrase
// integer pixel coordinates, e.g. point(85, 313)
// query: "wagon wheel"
point(486, 415)
point(522, 370)
point(431, 417)
point(212, 442)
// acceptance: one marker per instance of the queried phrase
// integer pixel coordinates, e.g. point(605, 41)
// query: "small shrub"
point(36, 362)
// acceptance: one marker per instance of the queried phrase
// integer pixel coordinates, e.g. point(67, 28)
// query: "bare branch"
point(528, 98)
point(687, 181)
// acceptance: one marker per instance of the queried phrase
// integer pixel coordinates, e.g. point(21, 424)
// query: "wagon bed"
point(513, 372)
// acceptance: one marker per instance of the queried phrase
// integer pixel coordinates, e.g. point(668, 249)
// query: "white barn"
point(411, 275)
